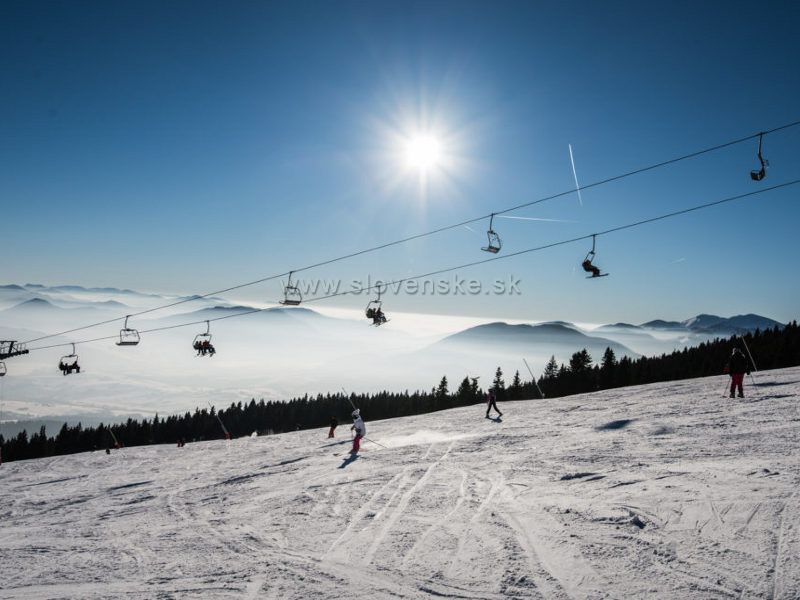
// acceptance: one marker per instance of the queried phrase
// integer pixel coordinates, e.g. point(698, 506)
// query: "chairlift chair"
point(374, 311)
point(494, 239)
point(127, 336)
point(587, 263)
point(202, 343)
point(762, 172)
point(291, 294)
point(2, 369)
point(69, 363)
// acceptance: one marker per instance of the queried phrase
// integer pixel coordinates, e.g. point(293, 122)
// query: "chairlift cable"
point(397, 282)
point(431, 232)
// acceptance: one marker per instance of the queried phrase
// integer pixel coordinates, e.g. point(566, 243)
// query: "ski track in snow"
point(660, 491)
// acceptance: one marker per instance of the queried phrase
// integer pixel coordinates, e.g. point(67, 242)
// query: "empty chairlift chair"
point(202, 343)
point(127, 336)
point(69, 363)
point(291, 294)
point(762, 172)
point(2, 369)
point(495, 243)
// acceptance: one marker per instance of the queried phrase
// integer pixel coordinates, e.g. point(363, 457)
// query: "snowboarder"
point(378, 318)
point(360, 429)
point(737, 367)
point(590, 268)
point(491, 401)
point(334, 424)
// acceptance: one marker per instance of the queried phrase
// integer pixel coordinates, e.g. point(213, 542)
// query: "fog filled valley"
point(277, 353)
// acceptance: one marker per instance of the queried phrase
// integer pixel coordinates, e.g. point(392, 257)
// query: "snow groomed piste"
point(660, 491)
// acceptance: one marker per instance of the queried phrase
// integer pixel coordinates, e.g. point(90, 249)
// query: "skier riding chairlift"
point(587, 262)
point(374, 311)
point(495, 243)
point(202, 343)
point(762, 172)
point(69, 363)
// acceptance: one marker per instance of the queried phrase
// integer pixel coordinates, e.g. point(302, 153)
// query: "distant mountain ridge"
point(213, 312)
point(82, 289)
point(36, 301)
point(713, 324)
point(514, 338)
point(43, 304)
point(618, 326)
point(34, 304)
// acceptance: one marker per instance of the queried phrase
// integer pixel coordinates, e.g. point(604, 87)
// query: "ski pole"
point(225, 431)
point(376, 443)
point(346, 395)
point(116, 442)
point(755, 368)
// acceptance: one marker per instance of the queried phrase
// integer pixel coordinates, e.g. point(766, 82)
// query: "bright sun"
point(423, 152)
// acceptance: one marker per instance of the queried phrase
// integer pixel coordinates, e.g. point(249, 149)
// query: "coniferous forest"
point(771, 349)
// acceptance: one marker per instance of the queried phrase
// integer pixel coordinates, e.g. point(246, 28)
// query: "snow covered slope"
point(661, 491)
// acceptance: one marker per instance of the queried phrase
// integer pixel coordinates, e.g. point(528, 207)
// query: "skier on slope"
point(491, 401)
point(334, 424)
point(360, 429)
point(737, 367)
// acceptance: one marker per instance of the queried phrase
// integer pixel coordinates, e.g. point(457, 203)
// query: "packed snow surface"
point(661, 491)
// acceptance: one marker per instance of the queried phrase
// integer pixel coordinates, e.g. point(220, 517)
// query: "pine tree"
point(515, 390)
point(580, 378)
point(609, 359)
point(442, 391)
point(498, 385)
point(476, 391)
point(551, 370)
point(624, 375)
point(580, 361)
point(608, 367)
point(464, 390)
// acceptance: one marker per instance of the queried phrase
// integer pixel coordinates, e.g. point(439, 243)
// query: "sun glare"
point(418, 149)
point(423, 152)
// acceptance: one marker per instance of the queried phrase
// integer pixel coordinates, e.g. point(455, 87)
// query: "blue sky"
point(188, 146)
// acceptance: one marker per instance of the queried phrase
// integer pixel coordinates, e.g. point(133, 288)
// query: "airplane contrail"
point(575, 174)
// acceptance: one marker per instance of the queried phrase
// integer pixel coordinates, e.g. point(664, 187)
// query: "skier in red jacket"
point(737, 367)
point(360, 429)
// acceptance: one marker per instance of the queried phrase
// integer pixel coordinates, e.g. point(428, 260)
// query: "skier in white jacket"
point(360, 429)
